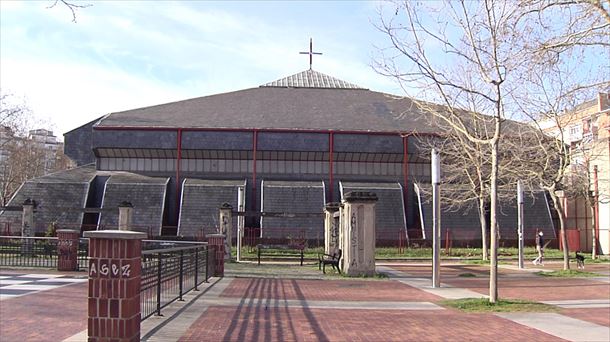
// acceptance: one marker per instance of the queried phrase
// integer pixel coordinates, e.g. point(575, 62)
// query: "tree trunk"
point(493, 265)
point(562, 231)
point(483, 223)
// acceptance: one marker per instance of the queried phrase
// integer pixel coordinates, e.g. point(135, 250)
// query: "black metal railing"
point(170, 272)
point(19, 251)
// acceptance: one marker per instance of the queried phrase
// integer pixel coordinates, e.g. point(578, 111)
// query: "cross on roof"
point(310, 52)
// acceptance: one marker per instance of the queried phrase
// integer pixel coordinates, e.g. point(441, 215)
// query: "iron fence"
point(171, 271)
point(18, 251)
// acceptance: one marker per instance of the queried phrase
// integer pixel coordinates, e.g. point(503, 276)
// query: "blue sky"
point(122, 55)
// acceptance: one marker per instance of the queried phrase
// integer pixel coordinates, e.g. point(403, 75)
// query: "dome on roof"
point(311, 79)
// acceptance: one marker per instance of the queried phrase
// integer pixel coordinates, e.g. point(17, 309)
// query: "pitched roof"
point(305, 101)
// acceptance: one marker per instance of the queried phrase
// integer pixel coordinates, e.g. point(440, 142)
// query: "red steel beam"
point(178, 161)
point(254, 149)
point(331, 143)
point(274, 130)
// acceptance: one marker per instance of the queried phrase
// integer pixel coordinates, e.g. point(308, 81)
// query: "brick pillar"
point(67, 249)
point(125, 215)
point(114, 285)
point(358, 243)
point(331, 227)
point(226, 227)
point(216, 245)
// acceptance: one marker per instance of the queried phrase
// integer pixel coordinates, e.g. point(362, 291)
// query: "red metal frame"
point(178, 161)
point(254, 149)
point(331, 143)
point(255, 132)
point(275, 130)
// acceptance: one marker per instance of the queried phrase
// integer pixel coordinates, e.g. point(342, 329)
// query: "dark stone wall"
point(78, 144)
point(217, 140)
point(368, 143)
point(134, 139)
point(280, 141)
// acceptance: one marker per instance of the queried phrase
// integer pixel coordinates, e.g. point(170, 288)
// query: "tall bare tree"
point(458, 55)
point(487, 57)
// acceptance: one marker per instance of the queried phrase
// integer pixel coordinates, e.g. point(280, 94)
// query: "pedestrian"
point(539, 248)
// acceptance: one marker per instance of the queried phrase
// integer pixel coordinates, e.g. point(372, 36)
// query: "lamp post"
point(436, 219)
point(520, 221)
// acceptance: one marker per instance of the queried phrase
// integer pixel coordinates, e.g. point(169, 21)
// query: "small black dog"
point(580, 260)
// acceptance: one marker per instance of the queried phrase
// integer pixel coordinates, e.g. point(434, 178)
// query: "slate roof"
point(463, 224)
point(55, 194)
point(311, 79)
point(146, 194)
point(389, 209)
point(293, 197)
point(536, 215)
point(201, 200)
point(312, 101)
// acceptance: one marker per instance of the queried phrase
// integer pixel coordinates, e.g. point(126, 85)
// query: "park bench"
point(290, 250)
point(330, 259)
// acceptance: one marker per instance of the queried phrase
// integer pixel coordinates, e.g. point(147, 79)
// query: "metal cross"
point(310, 53)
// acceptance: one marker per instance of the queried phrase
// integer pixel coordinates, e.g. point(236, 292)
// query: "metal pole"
point(436, 220)
point(520, 221)
point(240, 221)
point(595, 214)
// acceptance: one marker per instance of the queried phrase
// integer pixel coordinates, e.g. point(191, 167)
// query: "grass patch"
point(502, 305)
point(378, 276)
point(467, 275)
point(567, 274)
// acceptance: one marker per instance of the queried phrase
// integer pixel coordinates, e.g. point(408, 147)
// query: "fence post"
point(67, 249)
point(159, 274)
point(196, 267)
point(115, 259)
point(181, 276)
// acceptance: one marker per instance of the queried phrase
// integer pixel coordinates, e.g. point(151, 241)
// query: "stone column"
point(125, 215)
point(226, 226)
point(27, 225)
point(331, 227)
point(216, 245)
point(114, 285)
point(67, 249)
point(359, 233)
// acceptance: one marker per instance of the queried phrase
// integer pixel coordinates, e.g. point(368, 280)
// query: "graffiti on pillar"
point(353, 237)
point(224, 226)
point(334, 232)
point(111, 268)
point(65, 247)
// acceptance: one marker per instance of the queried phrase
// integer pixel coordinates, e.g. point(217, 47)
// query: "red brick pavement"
point(599, 316)
point(516, 284)
point(51, 315)
point(303, 324)
point(345, 290)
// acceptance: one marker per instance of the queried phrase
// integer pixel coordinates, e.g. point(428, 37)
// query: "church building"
point(288, 146)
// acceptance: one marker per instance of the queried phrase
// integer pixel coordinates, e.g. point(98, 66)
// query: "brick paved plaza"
point(303, 305)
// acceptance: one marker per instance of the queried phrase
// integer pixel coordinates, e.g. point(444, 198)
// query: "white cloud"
point(124, 55)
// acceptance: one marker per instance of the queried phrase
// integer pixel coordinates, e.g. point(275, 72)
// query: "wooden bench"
point(286, 250)
point(330, 259)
